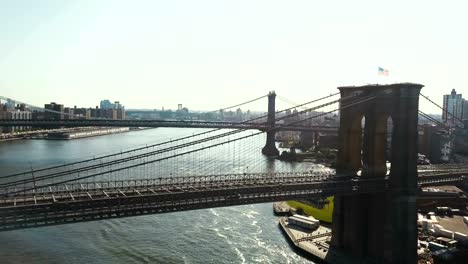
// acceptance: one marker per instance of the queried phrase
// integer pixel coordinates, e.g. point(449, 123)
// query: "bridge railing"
point(30, 188)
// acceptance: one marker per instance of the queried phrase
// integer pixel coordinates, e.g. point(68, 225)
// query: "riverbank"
point(66, 133)
point(323, 156)
point(30, 134)
point(84, 133)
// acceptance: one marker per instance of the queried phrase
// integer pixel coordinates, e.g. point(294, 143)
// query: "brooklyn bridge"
point(130, 182)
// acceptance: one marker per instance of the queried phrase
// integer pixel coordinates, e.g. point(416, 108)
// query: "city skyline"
point(153, 55)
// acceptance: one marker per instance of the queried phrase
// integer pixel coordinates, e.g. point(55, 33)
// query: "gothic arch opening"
point(363, 127)
point(388, 145)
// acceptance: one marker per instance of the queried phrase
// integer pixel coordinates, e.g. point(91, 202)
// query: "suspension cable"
point(179, 154)
point(237, 105)
point(158, 144)
point(152, 153)
point(430, 118)
point(444, 110)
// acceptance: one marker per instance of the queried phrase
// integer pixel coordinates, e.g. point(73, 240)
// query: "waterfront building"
point(68, 113)
point(121, 114)
point(56, 111)
point(16, 113)
point(453, 108)
point(82, 112)
point(110, 114)
point(2, 110)
point(2, 115)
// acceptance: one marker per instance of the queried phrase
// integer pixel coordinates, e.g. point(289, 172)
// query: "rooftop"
point(453, 223)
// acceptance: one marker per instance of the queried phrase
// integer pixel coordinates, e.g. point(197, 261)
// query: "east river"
point(240, 234)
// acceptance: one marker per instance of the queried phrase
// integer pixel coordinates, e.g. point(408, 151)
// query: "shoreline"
point(61, 134)
point(85, 133)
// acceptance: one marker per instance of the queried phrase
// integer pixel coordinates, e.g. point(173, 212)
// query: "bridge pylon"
point(270, 148)
point(378, 226)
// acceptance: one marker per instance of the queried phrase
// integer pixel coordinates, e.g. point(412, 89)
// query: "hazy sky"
point(209, 54)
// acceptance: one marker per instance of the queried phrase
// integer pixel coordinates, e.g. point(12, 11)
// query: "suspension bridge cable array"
point(109, 163)
point(237, 105)
point(444, 110)
point(175, 155)
point(114, 162)
point(430, 118)
point(162, 143)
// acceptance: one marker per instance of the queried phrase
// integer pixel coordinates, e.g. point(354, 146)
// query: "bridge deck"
point(162, 123)
point(76, 202)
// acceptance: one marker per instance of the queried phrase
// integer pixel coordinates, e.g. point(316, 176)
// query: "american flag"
point(383, 72)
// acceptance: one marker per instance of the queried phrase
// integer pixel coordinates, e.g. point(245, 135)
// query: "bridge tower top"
point(375, 105)
point(384, 223)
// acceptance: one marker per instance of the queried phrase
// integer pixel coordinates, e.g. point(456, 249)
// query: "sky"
point(210, 54)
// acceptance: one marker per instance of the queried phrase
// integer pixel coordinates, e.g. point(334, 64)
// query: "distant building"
point(69, 113)
point(121, 114)
point(20, 112)
point(82, 112)
point(465, 110)
point(10, 104)
point(106, 104)
point(108, 110)
point(117, 105)
point(453, 108)
point(2, 115)
point(436, 144)
point(2, 110)
point(56, 111)
point(109, 113)
point(239, 114)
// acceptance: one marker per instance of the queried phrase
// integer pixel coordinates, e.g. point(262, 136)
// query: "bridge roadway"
point(161, 123)
point(89, 201)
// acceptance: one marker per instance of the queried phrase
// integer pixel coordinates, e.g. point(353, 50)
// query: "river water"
point(239, 234)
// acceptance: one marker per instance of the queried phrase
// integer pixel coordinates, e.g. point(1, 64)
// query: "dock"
point(86, 132)
point(316, 244)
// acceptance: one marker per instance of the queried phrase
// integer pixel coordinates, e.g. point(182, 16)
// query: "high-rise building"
point(465, 110)
point(117, 105)
point(453, 108)
point(2, 114)
point(121, 114)
point(106, 104)
point(109, 110)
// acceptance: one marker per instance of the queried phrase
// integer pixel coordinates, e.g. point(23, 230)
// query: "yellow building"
point(324, 213)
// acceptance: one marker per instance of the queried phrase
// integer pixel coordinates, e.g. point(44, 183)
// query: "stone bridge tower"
point(378, 226)
point(270, 148)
